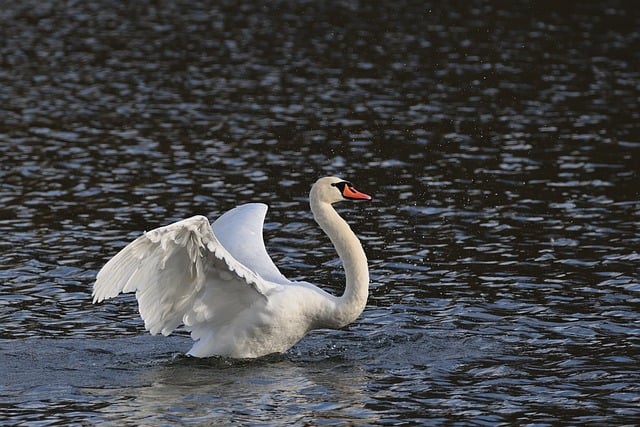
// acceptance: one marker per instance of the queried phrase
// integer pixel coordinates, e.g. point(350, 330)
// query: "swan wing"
point(240, 232)
point(181, 273)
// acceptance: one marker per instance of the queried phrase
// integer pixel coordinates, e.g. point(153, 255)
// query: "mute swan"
point(219, 281)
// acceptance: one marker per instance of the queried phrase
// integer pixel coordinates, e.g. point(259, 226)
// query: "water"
point(501, 145)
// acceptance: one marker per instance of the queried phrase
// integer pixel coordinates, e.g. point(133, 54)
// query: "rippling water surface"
point(502, 147)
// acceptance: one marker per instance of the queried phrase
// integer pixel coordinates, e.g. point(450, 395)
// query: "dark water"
point(502, 144)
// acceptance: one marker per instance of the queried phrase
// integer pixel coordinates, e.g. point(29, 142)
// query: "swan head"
point(332, 189)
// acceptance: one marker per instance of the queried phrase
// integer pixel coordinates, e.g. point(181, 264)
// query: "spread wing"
point(240, 232)
point(184, 273)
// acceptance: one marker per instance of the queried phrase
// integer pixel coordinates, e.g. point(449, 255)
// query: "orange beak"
point(351, 193)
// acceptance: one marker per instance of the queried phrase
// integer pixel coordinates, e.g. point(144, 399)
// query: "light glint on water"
point(500, 145)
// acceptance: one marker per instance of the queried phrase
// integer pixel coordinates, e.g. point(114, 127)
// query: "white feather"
point(222, 285)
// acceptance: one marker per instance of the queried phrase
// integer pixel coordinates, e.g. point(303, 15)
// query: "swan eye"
point(342, 185)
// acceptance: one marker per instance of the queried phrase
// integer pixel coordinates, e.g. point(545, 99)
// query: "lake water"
point(501, 144)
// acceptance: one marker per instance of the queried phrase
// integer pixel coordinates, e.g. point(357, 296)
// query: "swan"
point(220, 283)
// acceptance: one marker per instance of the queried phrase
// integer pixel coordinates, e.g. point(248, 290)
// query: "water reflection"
point(232, 392)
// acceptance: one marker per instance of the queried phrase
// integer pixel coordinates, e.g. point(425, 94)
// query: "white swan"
point(221, 284)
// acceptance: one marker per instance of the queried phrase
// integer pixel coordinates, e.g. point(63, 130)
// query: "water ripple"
point(502, 239)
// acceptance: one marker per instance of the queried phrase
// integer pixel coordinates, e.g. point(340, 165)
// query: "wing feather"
point(181, 273)
point(240, 232)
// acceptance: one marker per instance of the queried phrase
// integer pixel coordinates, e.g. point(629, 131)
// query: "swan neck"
point(354, 299)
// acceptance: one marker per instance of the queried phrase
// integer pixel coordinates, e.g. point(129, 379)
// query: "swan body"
point(220, 283)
